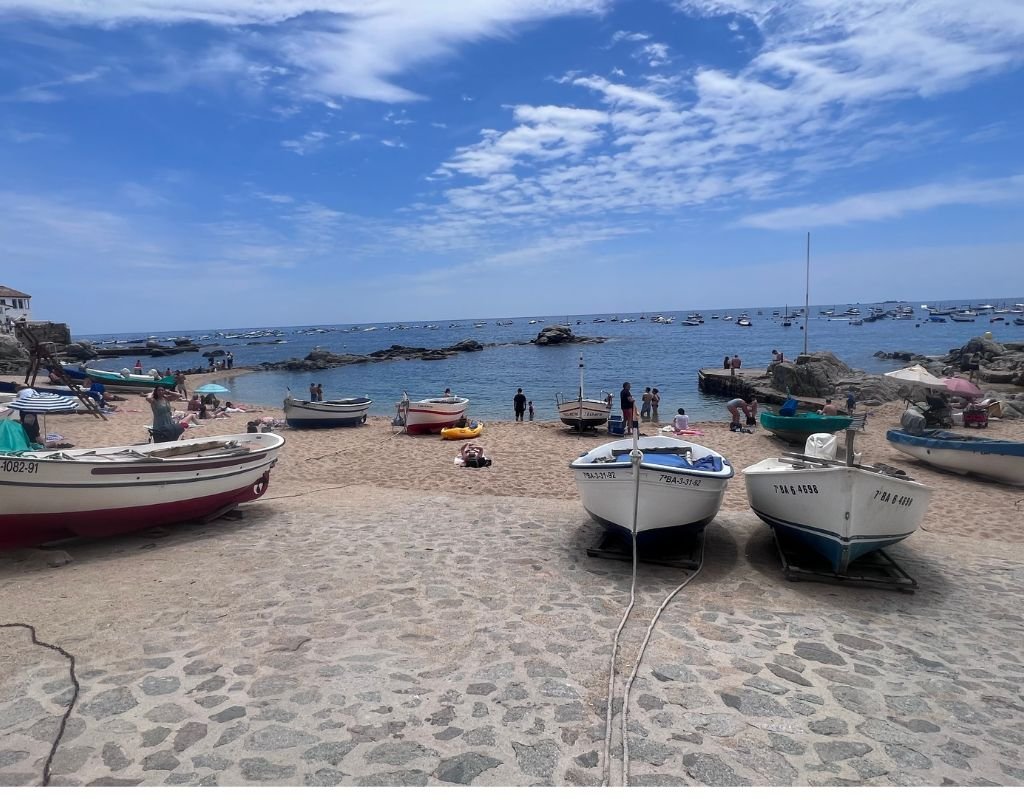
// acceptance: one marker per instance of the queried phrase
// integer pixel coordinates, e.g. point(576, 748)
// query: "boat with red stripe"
point(105, 491)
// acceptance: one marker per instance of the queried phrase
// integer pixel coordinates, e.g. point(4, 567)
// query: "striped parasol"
point(44, 404)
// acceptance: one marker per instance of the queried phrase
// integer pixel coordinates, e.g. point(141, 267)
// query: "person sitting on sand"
point(829, 409)
point(681, 421)
point(165, 429)
point(473, 455)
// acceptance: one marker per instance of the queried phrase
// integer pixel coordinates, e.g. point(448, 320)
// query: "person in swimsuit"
point(734, 407)
point(628, 406)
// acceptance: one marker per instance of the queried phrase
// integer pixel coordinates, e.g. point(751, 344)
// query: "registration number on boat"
point(892, 498)
point(18, 466)
point(600, 476)
point(679, 480)
point(795, 488)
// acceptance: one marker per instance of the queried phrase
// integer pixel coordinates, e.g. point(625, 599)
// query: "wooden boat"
point(582, 413)
point(347, 411)
point(681, 486)
point(797, 428)
point(430, 415)
point(839, 510)
point(47, 494)
point(130, 382)
point(996, 459)
point(963, 317)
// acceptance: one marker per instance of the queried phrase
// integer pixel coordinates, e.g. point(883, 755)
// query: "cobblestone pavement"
point(466, 641)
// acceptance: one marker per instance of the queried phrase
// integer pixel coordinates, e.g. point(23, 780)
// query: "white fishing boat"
point(346, 411)
point(681, 486)
point(93, 493)
point(431, 414)
point(840, 510)
point(582, 413)
point(997, 459)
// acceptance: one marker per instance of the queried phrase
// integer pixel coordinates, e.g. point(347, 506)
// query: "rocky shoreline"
point(816, 376)
point(324, 359)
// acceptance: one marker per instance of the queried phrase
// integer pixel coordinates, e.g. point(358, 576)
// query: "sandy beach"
point(385, 617)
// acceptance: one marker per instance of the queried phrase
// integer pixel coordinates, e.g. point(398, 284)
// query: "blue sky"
point(205, 163)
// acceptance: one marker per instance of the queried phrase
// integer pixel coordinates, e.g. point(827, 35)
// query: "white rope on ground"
point(635, 456)
point(640, 657)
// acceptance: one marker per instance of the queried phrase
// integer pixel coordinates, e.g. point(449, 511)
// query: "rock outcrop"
point(324, 359)
point(562, 334)
point(13, 357)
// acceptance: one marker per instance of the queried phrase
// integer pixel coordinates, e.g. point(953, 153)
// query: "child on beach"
point(530, 406)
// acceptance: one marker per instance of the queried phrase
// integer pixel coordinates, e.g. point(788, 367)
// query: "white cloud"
point(875, 206)
point(307, 143)
point(629, 36)
point(350, 48)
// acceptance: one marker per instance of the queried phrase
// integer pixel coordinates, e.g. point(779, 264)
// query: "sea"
point(666, 356)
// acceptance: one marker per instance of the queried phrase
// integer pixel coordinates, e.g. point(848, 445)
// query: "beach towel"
point(687, 432)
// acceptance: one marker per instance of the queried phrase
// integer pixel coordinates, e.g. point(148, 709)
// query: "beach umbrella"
point(918, 376)
point(211, 388)
point(45, 404)
point(963, 388)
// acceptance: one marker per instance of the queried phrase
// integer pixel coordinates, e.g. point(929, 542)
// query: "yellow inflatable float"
point(469, 432)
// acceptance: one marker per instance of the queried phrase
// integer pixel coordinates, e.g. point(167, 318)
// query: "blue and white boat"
point(839, 511)
point(681, 486)
point(348, 411)
point(996, 459)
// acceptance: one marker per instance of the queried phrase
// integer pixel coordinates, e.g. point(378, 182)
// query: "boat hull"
point(583, 414)
point(430, 416)
point(841, 513)
point(1000, 461)
point(132, 383)
point(328, 414)
point(673, 503)
point(99, 496)
point(797, 428)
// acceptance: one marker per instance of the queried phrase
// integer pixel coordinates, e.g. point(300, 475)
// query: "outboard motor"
point(912, 422)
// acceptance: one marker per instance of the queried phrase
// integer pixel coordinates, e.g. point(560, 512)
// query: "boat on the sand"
point(127, 381)
point(796, 428)
point(344, 412)
point(582, 413)
point(681, 486)
point(999, 460)
point(431, 414)
point(104, 491)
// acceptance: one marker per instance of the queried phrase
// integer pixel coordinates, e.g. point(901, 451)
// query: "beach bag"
point(474, 460)
point(788, 409)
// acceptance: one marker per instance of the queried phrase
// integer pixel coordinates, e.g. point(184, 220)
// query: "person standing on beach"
point(530, 404)
point(655, 402)
point(138, 366)
point(319, 392)
point(312, 392)
point(231, 359)
point(734, 365)
point(519, 404)
point(645, 403)
point(628, 406)
point(179, 384)
point(851, 402)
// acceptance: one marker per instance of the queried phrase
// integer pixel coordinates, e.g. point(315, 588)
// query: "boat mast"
point(807, 291)
point(579, 405)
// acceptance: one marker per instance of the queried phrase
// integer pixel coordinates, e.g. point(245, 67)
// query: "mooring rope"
point(635, 457)
point(74, 695)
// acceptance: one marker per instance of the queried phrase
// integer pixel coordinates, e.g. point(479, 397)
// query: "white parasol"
point(918, 376)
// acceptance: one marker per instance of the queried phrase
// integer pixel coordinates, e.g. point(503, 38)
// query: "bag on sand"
point(751, 421)
point(474, 460)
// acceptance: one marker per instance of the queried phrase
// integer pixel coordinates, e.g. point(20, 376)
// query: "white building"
point(13, 305)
